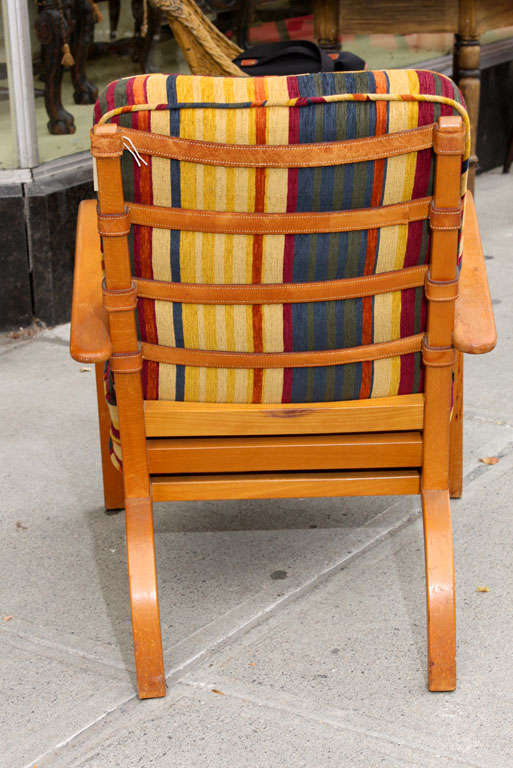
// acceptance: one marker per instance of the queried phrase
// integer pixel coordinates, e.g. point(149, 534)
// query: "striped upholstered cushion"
point(280, 110)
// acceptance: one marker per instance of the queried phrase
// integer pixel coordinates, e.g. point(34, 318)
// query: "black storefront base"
point(38, 219)
point(51, 209)
point(16, 305)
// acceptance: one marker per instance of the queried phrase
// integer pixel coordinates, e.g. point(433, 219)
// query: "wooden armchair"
point(289, 247)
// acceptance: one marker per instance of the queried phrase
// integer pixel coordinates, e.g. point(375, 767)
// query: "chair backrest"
point(280, 228)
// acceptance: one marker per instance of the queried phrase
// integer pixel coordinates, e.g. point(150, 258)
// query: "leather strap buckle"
point(445, 218)
point(438, 357)
point(106, 141)
point(122, 300)
point(449, 142)
point(126, 362)
point(441, 290)
point(114, 224)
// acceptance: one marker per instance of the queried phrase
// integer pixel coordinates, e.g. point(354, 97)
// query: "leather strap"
point(278, 223)
point(438, 357)
point(214, 359)
point(449, 140)
point(106, 141)
point(445, 218)
point(114, 224)
point(126, 362)
point(441, 290)
point(121, 300)
point(281, 155)
point(283, 293)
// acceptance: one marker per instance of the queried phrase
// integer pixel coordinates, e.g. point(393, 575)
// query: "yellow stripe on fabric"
point(205, 268)
point(272, 327)
point(276, 187)
point(113, 414)
point(272, 385)
point(167, 381)
point(384, 382)
point(387, 327)
point(161, 182)
point(165, 325)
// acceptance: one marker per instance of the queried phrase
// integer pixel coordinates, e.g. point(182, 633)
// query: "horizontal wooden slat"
point(310, 359)
point(281, 155)
point(285, 485)
point(303, 452)
point(283, 293)
point(166, 418)
point(239, 223)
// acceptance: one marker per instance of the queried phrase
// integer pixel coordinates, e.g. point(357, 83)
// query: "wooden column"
point(326, 23)
point(467, 53)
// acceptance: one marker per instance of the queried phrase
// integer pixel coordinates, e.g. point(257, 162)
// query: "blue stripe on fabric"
point(339, 324)
point(318, 377)
point(300, 258)
point(322, 255)
point(363, 250)
point(298, 388)
point(299, 328)
point(180, 382)
point(320, 325)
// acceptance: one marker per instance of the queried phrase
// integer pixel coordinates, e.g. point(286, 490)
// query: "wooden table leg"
point(326, 23)
point(467, 53)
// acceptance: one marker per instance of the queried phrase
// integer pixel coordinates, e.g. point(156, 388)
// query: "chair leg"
point(142, 578)
point(113, 491)
point(456, 433)
point(441, 613)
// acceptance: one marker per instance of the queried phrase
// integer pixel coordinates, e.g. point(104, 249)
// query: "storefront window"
point(8, 153)
point(105, 48)
point(46, 108)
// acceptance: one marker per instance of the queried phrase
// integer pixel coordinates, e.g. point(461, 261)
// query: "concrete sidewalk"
point(294, 631)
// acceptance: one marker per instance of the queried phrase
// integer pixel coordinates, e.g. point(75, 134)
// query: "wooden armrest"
point(474, 324)
point(90, 340)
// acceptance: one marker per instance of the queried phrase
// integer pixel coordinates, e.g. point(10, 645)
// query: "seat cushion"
point(280, 110)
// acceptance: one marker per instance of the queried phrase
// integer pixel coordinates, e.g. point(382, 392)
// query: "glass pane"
point(112, 55)
point(8, 154)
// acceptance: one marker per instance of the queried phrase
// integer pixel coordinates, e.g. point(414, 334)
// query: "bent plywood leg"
point(441, 614)
point(456, 432)
point(142, 578)
point(113, 492)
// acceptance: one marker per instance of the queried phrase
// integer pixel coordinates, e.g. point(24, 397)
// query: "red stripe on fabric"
point(413, 243)
point(286, 394)
point(109, 96)
point(448, 91)
point(260, 179)
point(426, 109)
point(407, 325)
